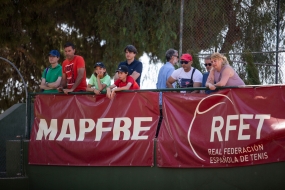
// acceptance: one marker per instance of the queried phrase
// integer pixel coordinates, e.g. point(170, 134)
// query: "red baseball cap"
point(186, 57)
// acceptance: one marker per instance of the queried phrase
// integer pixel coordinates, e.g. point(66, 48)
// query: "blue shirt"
point(134, 66)
point(164, 73)
point(204, 80)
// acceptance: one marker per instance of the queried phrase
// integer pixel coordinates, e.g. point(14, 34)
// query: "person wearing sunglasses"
point(166, 70)
point(222, 74)
point(187, 76)
point(208, 65)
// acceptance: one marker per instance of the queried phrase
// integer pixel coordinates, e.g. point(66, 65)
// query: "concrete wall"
point(12, 129)
point(267, 176)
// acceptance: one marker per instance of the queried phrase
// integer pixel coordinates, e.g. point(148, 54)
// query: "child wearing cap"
point(99, 79)
point(125, 82)
point(52, 75)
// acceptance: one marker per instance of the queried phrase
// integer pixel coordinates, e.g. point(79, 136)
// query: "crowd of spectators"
point(71, 76)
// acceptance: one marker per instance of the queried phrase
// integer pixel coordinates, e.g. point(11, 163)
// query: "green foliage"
point(251, 69)
point(196, 63)
point(30, 29)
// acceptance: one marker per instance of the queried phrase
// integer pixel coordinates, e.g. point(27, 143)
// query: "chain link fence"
point(247, 32)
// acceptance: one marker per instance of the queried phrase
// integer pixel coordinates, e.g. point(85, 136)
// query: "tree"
point(101, 30)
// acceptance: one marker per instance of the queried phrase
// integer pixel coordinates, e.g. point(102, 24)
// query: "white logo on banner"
point(216, 130)
point(198, 112)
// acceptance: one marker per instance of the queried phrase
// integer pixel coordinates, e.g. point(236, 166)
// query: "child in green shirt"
point(99, 80)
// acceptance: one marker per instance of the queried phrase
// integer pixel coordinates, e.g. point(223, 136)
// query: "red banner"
point(233, 127)
point(87, 130)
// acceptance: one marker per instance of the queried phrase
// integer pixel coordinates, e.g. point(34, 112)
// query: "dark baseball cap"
point(99, 64)
point(123, 68)
point(54, 53)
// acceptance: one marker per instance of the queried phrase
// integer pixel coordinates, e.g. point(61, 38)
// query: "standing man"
point(73, 71)
point(208, 65)
point(52, 75)
point(186, 76)
point(134, 66)
point(166, 70)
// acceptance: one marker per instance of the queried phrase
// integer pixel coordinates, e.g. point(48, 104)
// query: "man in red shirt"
point(73, 71)
point(125, 82)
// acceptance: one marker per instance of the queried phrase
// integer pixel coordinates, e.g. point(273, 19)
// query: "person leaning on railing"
point(186, 76)
point(99, 80)
point(73, 71)
point(125, 82)
point(222, 74)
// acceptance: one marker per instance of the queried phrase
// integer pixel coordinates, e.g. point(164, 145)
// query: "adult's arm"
point(55, 84)
point(135, 75)
point(63, 83)
point(210, 81)
point(227, 73)
point(137, 70)
point(170, 81)
point(196, 84)
point(80, 74)
point(43, 85)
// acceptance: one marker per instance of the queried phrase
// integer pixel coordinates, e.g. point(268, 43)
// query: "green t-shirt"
point(52, 76)
point(105, 80)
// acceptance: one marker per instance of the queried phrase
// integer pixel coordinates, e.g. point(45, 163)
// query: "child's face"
point(99, 70)
point(122, 75)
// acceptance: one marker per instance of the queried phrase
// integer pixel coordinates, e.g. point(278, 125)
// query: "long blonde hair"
point(220, 56)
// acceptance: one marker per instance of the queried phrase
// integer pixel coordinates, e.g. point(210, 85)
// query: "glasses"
point(176, 56)
point(208, 64)
point(184, 62)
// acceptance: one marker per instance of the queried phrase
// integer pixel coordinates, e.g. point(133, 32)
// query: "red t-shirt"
point(70, 69)
point(130, 79)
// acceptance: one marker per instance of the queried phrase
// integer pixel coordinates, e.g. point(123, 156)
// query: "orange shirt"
point(70, 69)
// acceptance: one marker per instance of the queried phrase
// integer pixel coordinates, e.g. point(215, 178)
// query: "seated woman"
point(222, 74)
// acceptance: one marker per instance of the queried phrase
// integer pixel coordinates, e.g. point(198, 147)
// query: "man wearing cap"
point(51, 76)
point(186, 76)
point(99, 80)
point(73, 71)
point(125, 82)
point(134, 66)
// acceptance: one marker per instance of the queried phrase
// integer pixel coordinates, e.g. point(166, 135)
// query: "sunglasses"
point(184, 62)
point(176, 56)
point(208, 64)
